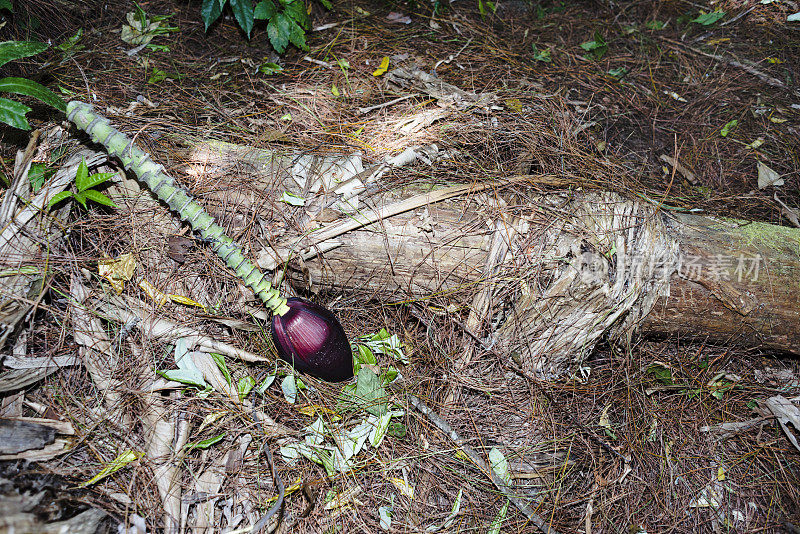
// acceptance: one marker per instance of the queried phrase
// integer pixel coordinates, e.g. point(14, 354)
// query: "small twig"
point(318, 62)
point(386, 104)
point(791, 214)
point(451, 57)
point(740, 15)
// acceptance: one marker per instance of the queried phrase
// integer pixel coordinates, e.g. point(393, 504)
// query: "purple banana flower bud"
point(311, 339)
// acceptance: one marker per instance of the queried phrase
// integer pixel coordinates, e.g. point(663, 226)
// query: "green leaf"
point(707, 19)
point(13, 114)
point(484, 4)
point(396, 429)
point(325, 459)
point(383, 342)
point(499, 464)
point(494, 528)
point(244, 386)
point(661, 373)
point(451, 516)
point(270, 68)
point(278, 32)
point(184, 377)
point(206, 443)
point(97, 196)
point(264, 10)
point(6, 4)
point(113, 466)
point(243, 11)
point(262, 387)
point(58, 197)
point(38, 175)
point(219, 359)
point(618, 72)
point(94, 180)
point(390, 374)
point(385, 513)
point(368, 393)
point(728, 127)
point(365, 355)
point(157, 76)
point(655, 25)
point(296, 11)
point(70, 44)
point(210, 11)
point(292, 199)
point(327, 3)
point(297, 35)
point(81, 198)
point(378, 432)
point(289, 388)
point(81, 175)
point(543, 55)
point(596, 48)
point(11, 50)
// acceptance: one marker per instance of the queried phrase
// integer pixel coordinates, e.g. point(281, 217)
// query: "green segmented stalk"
point(178, 199)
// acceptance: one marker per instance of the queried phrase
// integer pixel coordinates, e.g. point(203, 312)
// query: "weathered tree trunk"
point(737, 282)
point(725, 281)
point(544, 275)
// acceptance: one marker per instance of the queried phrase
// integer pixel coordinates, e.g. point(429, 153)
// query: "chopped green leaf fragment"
point(596, 48)
point(219, 359)
point(292, 199)
point(661, 373)
point(71, 44)
point(707, 19)
point(655, 25)
point(541, 55)
point(728, 127)
point(38, 175)
point(618, 72)
point(123, 459)
point(206, 443)
point(367, 393)
point(270, 68)
point(245, 385)
point(289, 388)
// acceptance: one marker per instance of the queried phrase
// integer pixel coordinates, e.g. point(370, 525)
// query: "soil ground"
point(622, 449)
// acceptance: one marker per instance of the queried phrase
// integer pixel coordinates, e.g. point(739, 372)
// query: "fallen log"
point(545, 276)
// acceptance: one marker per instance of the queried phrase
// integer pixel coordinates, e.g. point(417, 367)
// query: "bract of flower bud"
point(311, 339)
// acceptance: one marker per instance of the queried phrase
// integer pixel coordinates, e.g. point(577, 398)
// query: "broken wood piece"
point(683, 171)
point(410, 77)
point(33, 438)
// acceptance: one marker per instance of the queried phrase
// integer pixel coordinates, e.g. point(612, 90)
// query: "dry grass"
point(643, 473)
